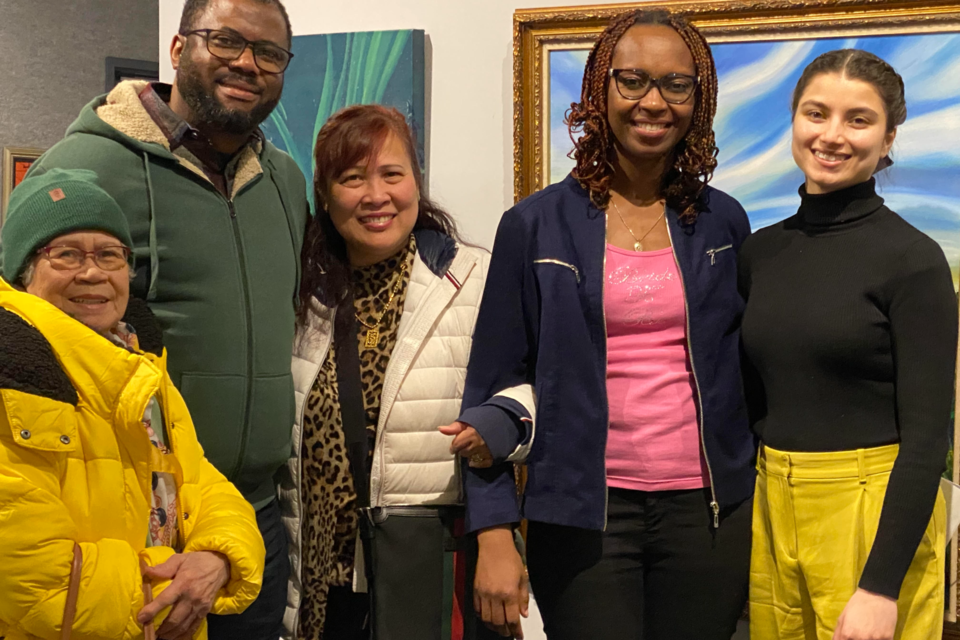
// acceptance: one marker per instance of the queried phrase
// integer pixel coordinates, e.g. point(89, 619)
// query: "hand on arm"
point(468, 444)
point(196, 578)
point(501, 593)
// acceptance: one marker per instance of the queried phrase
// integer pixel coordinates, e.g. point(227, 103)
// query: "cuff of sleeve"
point(491, 497)
point(246, 572)
point(880, 584)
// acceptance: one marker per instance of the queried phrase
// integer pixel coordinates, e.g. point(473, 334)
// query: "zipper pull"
point(716, 514)
point(713, 261)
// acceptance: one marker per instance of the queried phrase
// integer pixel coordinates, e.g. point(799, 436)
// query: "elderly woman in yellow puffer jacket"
point(98, 456)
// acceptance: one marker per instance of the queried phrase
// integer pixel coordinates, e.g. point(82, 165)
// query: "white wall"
point(470, 111)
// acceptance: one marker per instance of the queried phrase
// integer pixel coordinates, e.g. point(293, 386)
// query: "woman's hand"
point(500, 589)
point(196, 578)
point(468, 444)
point(867, 616)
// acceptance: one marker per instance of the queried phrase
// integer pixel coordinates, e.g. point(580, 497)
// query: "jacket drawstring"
point(154, 257)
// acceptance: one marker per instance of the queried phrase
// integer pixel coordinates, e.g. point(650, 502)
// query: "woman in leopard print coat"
point(416, 290)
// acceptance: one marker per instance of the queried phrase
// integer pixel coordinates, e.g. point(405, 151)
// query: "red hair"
point(350, 137)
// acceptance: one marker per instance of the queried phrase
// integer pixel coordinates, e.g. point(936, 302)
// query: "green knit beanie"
point(50, 205)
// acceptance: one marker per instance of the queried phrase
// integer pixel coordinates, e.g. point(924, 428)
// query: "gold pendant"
point(372, 339)
point(637, 246)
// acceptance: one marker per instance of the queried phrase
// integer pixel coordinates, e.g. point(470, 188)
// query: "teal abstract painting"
point(333, 71)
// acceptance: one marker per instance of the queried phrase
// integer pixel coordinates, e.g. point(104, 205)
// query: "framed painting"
point(760, 48)
point(333, 71)
point(16, 163)
point(120, 69)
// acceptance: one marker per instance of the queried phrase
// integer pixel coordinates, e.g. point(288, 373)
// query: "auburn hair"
point(350, 137)
point(694, 157)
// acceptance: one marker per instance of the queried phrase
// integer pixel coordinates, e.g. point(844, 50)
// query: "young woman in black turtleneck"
point(850, 336)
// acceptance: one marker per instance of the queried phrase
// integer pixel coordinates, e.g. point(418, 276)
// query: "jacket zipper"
point(606, 364)
point(713, 253)
point(244, 287)
point(576, 272)
point(714, 505)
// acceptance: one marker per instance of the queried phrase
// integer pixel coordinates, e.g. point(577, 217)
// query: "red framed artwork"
point(16, 163)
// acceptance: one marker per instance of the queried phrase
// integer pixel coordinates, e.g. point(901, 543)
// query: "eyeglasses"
point(64, 258)
point(229, 46)
point(634, 84)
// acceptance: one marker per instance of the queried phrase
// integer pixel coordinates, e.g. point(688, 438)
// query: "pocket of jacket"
point(712, 253)
point(560, 263)
point(216, 404)
point(271, 427)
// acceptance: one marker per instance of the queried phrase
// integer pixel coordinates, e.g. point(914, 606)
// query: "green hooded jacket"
point(220, 275)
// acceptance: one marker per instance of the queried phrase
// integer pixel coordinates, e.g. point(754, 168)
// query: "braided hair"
point(694, 157)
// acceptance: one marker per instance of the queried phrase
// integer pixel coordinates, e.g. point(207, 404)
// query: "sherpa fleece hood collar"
point(119, 115)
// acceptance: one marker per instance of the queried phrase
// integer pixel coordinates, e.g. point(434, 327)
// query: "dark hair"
point(857, 64)
point(193, 9)
point(350, 136)
point(695, 157)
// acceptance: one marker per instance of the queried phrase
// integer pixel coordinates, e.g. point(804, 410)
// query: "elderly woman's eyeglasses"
point(634, 84)
point(64, 258)
point(229, 46)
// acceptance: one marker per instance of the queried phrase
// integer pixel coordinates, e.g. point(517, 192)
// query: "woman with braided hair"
point(614, 293)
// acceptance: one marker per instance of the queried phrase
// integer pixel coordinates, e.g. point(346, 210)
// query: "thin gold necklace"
point(638, 242)
point(372, 338)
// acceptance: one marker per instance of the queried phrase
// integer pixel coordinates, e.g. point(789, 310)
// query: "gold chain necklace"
point(637, 242)
point(372, 338)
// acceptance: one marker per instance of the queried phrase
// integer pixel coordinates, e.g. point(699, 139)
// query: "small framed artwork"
point(16, 163)
point(120, 69)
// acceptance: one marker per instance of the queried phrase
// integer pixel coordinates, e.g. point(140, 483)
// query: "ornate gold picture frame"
point(16, 162)
point(537, 32)
point(811, 26)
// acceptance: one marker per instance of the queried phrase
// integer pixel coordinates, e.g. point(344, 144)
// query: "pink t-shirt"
point(653, 443)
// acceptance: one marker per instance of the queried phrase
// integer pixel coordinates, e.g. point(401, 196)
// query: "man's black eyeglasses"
point(229, 46)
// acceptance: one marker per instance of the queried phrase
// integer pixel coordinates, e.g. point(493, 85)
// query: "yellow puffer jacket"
point(76, 465)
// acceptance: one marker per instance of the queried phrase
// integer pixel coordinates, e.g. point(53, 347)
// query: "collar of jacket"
point(109, 380)
point(436, 249)
point(121, 116)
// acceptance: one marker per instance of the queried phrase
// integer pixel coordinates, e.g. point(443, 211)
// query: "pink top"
point(653, 443)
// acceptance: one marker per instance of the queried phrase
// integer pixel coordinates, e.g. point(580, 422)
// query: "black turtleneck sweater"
point(850, 336)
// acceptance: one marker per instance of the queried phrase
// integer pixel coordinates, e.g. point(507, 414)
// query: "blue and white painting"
point(753, 127)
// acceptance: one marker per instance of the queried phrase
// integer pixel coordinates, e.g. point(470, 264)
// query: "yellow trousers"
point(815, 517)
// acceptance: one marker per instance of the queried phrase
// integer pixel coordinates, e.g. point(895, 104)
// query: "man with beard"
point(217, 215)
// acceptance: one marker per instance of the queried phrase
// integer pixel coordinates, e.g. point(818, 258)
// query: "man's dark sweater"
point(850, 335)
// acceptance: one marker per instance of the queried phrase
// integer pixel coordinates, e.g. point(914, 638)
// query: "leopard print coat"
point(329, 526)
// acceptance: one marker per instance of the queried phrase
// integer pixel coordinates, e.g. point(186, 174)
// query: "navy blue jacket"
point(541, 322)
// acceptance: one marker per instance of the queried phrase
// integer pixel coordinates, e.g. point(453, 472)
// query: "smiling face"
point(648, 129)
point(235, 96)
point(839, 132)
point(95, 297)
point(374, 205)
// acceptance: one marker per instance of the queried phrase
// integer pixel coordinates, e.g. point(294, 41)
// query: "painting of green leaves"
point(333, 71)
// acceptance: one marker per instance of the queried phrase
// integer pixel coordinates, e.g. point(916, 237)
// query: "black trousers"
point(660, 571)
point(263, 620)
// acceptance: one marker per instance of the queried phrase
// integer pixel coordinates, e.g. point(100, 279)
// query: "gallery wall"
point(53, 54)
point(470, 93)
